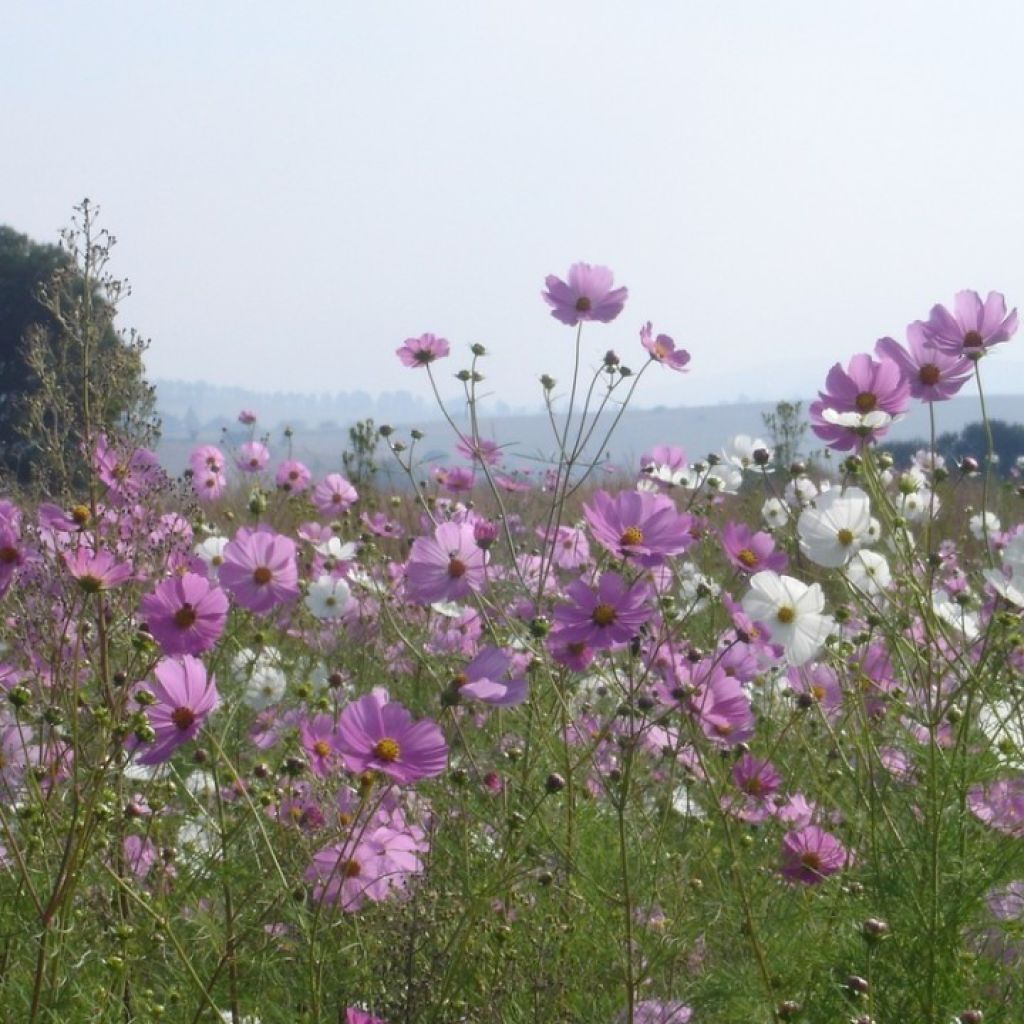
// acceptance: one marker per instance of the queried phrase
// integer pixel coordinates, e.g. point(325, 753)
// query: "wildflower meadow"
point(708, 738)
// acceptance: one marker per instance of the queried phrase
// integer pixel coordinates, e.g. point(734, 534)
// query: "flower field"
point(712, 739)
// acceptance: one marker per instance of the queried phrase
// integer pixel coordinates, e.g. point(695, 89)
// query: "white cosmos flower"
point(792, 611)
point(328, 598)
point(859, 422)
point(1003, 723)
point(916, 506)
point(265, 679)
point(980, 526)
point(869, 572)
point(1009, 583)
point(740, 450)
point(336, 550)
point(211, 551)
point(800, 490)
point(955, 614)
point(775, 513)
point(835, 526)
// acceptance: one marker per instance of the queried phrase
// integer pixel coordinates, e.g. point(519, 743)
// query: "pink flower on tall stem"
point(184, 697)
point(663, 349)
point(96, 571)
point(811, 854)
point(867, 390)
point(253, 456)
point(751, 552)
point(447, 566)
point(484, 679)
point(334, 494)
point(422, 351)
point(186, 614)
point(259, 569)
point(293, 476)
point(973, 327)
point(378, 734)
point(638, 525)
point(588, 295)
point(932, 374)
point(606, 617)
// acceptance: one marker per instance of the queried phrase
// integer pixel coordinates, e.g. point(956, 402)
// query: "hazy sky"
point(297, 187)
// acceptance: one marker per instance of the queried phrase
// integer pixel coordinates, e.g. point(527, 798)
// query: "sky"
point(297, 188)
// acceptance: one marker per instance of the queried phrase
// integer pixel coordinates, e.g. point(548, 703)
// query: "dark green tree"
point(66, 372)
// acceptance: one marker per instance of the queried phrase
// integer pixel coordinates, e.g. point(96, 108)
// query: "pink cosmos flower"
point(447, 566)
point(184, 697)
point(811, 854)
point(457, 479)
point(973, 327)
point(482, 451)
point(722, 709)
point(353, 1015)
point(871, 391)
point(752, 552)
point(655, 1011)
point(422, 351)
point(209, 486)
point(127, 472)
point(484, 679)
point(663, 349)
point(378, 734)
point(1000, 805)
point(293, 476)
point(12, 552)
point(334, 494)
point(606, 617)
point(570, 548)
point(247, 417)
point(253, 457)
point(932, 374)
point(206, 458)
point(317, 737)
point(259, 569)
point(186, 614)
point(588, 295)
point(638, 525)
point(96, 571)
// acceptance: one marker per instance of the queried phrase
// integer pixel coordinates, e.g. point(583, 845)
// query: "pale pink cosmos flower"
point(253, 457)
point(934, 375)
point(973, 327)
point(185, 695)
point(259, 569)
point(422, 351)
point(334, 494)
point(588, 295)
point(811, 854)
point(447, 566)
point(186, 614)
point(96, 571)
point(293, 476)
point(663, 349)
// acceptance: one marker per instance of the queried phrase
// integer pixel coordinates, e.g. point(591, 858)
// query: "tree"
point(787, 428)
point(66, 373)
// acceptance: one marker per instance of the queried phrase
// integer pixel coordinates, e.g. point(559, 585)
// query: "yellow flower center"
point(845, 537)
point(747, 558)
point(631, 536)
point(386, 750)
point(785, 615)
point(81, 515)
point(321, 748)
point(604, 615)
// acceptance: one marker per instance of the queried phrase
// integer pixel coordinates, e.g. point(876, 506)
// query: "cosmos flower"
point(447, 566)
point(588, 295)
point(259, 569)
point(835, 526)
point(334, 494)
point(186, 614)
point(792, 611)
point(378, 734)
point(663, 349)
point(422, 351)
point(184, 696)
point(933, 375)
point(638, 525)
point(973, 327)
point(810, 855)
point(483, 679)
point(608, 616)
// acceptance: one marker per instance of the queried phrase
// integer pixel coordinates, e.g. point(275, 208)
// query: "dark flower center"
point(351, 869)
point(866, 401)
point(929, 374)
point(386, 749)
point(604, 615)
point(583, 304)
point(262, 576)
point(785, 615)
point(972, 339)
point(183, 717)
point(460, 679)
point(185, 616)
point(456, 568)
point(90, 584)
point(423, 355)
point(8, 555)
point(845, 537)
point(811, 860)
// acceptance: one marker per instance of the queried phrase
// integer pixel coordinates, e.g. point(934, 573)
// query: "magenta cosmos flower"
point(606, 617)
point(253, 456)
point(588, 295)
point(293, 476)
point(484, 679)
point(811, 854)
point(663, 349)
point(184, 697)
point(752, 552)
point(422, 351)
point(932, 374)
point(259, 569)
point(859, 402)
point(353, 1015)
point(447, 566)
point(186, 614)
point(378, 734)
point(638, 525)
point(96, 571)
point(973, 327)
